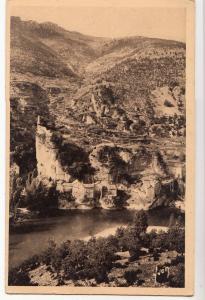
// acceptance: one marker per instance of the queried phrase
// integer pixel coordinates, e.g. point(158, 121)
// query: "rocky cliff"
point(112, 112)
point(121, 176)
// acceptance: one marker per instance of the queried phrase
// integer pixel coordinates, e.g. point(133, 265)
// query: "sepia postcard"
point(100, 143)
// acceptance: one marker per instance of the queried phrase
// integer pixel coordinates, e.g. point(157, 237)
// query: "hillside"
point(48, 50)
point(124, 93)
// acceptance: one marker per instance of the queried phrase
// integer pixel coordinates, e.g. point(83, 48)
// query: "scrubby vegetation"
point(32, 194)
point(95, 260)
point(56, 74)
point(40, 197)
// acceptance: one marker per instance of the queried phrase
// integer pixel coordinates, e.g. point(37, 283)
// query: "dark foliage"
point(80, 260)
point(19, 276)
point(131, 276)
point(121, 199)
point(40, 197)
point(177, 279)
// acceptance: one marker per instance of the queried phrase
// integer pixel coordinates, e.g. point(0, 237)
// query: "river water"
point(75, 224)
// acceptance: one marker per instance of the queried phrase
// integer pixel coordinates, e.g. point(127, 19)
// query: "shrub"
point(140, 223)
point(120, 200)
point(40, 197)
point(80, 260)
point(156, 255)
point(178, 260)
point(147, 239)
point(168, 103)
point(131, 276)
point(159, 242)
point(17, 277)
point(75, 263)
point(54, 255)
point(177, 279)
point(175, 239)
point(101, 256)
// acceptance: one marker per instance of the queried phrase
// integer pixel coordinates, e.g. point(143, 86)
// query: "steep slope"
point(49, 50)
point(27, 102)
point(145, 79)
point(95, 90)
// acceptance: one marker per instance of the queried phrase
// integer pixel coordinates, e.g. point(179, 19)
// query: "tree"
point(120, 200)
point(136, 232)
point(140, 223)
point(177, 279)
point(101, 254)
point(16, 188)
point(39, 196)
point(176, 239)
point(134, 245)
point(75, 263)
point(131, 276)
point(54, 255)
point(122, 234)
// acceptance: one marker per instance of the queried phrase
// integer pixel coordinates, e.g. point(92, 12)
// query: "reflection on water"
point(74, 224)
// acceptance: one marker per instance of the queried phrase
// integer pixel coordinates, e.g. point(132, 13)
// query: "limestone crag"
point(48, 164)
point(123, 177)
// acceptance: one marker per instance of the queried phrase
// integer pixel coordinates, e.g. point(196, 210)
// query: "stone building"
point(82, 191)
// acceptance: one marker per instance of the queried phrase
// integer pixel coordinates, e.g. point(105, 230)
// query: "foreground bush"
point(19, 276)
point(177, 279)
point(131, 276)
point(79, 260)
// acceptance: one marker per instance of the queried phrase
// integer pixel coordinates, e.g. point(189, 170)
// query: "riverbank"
point(26, 217)
point(32, 236)
point(126, 257)
point(112, 231)
point(142, 270)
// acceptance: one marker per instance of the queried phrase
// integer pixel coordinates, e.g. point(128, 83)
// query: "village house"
point(80, 190)
point(112, 191)
point(63, 187)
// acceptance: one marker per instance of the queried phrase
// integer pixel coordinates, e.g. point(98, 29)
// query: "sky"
point(114, 22)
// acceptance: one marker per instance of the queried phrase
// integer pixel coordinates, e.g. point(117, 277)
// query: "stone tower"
point(48, 165)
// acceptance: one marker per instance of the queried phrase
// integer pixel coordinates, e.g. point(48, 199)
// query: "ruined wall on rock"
point(48, 165)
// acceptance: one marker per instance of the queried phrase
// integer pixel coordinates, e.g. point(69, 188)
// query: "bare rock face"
point(46, 155)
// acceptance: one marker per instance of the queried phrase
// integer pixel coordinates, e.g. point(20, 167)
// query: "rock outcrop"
point(48, 164)
point(134, 178)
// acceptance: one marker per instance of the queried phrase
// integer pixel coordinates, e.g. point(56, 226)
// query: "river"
point(74, 224)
